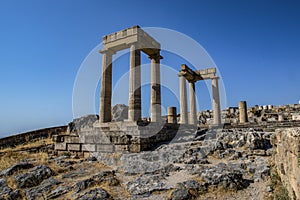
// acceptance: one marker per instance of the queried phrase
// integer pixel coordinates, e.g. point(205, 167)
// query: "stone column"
point(183, 100)
point(134, 102)
point(243, 112)
point(106, 87)
point(280, 118)
point(216, 101)
point(172, 115)
point(193, 109)
point(155, 88)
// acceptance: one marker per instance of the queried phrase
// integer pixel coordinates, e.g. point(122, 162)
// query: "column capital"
point(155, 56)
point(216, 77)
point(107, 51)
point(136, 45)
point(180, 74)
point(192, 81)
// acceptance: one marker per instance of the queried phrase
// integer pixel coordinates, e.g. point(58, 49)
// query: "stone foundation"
point(117, 137)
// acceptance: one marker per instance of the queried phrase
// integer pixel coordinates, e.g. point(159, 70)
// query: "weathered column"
point(280, 118)
point(106, 87)
point(134, 102)
point(172, 115)
point(193, 109)
point(243, 112)
point(155, 88)
point(216, 101)
point(183, 100)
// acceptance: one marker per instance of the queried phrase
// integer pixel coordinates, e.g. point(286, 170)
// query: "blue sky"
point(255, 44)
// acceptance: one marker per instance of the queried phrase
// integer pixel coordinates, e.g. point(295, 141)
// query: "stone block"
point(71, 139)
point(88, 147)
point(60, 146)
point(122, 148)
point(105, 148)
point(134, 148)
point(74, 147)
point(120, 139)
point(96, 139)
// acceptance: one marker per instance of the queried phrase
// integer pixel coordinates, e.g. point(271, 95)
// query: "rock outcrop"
point(87, 121)
point(215, 160)
point(119, 112)
point(286, 144)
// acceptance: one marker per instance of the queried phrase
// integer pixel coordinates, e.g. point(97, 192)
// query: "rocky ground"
point(213, 164)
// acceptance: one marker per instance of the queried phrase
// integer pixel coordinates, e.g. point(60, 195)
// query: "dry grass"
point(37, 143)
point(11, 183)
point(10, 158)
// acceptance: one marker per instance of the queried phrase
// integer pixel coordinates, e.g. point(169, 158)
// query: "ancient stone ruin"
point(192, 77)
point(235, 153)
point(134, 134)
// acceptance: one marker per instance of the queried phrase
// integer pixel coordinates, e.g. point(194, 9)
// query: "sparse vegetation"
point(11, 156)
point(34, 144)
point(280, 191)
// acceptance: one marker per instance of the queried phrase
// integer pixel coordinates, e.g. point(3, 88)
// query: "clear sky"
point(256, 45)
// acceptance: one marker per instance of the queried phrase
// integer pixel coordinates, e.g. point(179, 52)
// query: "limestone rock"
point(58, 192)
point(181, 194)
point(39, 191)
point(224, 177)
point(286, 144)
point(11, 170)
point(4, 189)
point(103, 177)
point(146, 184)
point(119, 112)
point(83, 122)
point(98, 193)
point(34, 177)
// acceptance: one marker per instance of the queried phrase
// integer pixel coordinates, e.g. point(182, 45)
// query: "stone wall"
point(286, 143)
point(23, 138)
point(116, 137)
